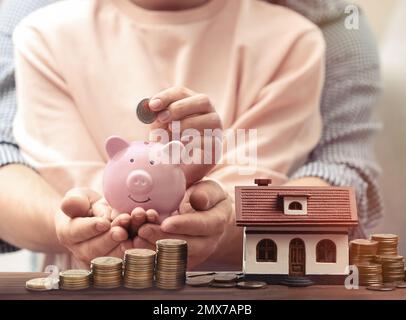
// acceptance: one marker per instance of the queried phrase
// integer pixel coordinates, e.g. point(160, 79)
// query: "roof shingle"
point(326, 206)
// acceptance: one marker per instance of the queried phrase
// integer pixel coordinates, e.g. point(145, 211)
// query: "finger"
point(123, 220)
point(206, 194)
point(138, 218)
point(152, 216)
point(81, 229)
point(178, 110)
point(114, 214)
point(77, 202)
point(100, 245)
point(200, 223)
point(101, 209)
point(164, 98)
point(200, 123)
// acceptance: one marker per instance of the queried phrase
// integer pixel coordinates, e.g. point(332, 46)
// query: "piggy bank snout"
point(140, 182)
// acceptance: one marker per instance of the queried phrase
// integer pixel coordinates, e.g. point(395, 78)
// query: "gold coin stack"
point(393, 265)
point(74, 279)
point(370, 273)
point(387, 244)
point(107, 272)
point(362, 254)
point(171, 263)
point(139, 268)
point(363, 251)
point(393, 268)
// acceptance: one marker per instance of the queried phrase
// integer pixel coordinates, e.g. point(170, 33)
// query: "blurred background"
point(388, 21)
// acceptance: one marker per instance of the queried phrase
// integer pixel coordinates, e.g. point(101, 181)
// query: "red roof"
point(326, 206)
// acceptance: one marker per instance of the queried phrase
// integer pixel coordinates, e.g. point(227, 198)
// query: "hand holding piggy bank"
point(144, 174)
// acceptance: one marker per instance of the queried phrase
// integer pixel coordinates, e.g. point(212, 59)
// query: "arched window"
point(295, 206)
point(267, 251)
point(326, 251)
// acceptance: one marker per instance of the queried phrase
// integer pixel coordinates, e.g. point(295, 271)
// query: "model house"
point(295, 231)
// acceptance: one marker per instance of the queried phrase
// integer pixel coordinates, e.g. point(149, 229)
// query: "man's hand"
point(84, 227)
point(203, 219)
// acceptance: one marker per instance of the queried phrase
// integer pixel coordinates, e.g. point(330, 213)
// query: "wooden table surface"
point(12, 286)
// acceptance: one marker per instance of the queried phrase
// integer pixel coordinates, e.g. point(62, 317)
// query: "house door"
point(297, 258)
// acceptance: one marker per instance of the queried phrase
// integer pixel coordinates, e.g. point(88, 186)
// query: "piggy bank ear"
point(115, 144)
point(171, 153)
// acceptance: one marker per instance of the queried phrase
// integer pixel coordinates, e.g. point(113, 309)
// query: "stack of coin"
point(139, 268)
point(370, 273)
point(74, 279)
point(387, 244)
point(107, 272)
point(171, 263)
point(392, 267)
point(362, 251)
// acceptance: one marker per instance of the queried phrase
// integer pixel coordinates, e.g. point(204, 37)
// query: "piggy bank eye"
point(152, 162)
point(131, 160)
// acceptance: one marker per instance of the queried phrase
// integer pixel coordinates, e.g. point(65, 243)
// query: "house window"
point(295, 206)
point(326, 251)
point(267, 251)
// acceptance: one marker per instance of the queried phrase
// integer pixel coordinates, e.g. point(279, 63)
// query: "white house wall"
point(282, 241)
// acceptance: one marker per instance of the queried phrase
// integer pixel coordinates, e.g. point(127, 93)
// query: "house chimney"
point(263, 182)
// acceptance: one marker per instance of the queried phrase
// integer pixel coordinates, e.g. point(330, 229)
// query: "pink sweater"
point(83, 65)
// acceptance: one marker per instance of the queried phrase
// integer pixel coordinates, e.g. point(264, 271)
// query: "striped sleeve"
point(12, 11)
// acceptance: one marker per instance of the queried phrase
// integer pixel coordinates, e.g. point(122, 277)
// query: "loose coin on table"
point(194, 275)
point(201, 281)
point(39, 284)
point(75, 279)
point(107, 272)
point(139, 265)
point(251, 284)
point(223, 284)
point(226, 277)
point(144, 113)
point(401, 285)
point(381, 287)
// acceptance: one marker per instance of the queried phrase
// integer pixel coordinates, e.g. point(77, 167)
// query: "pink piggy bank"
point(135, 176)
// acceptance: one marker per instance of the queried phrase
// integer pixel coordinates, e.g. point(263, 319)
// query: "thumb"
point(77, 202)
point(206, 195)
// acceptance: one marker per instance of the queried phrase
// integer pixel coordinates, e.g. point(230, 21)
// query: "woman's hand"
point(83, 226)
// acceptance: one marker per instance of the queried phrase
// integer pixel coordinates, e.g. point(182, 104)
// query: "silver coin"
point(223, 284)
point(401, 285)
point(381, 287)
point(251, 284)
point(144, 113)
point(202, 281)
point(227, 277)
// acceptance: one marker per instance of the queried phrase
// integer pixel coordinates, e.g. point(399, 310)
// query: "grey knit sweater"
point(344, 155)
